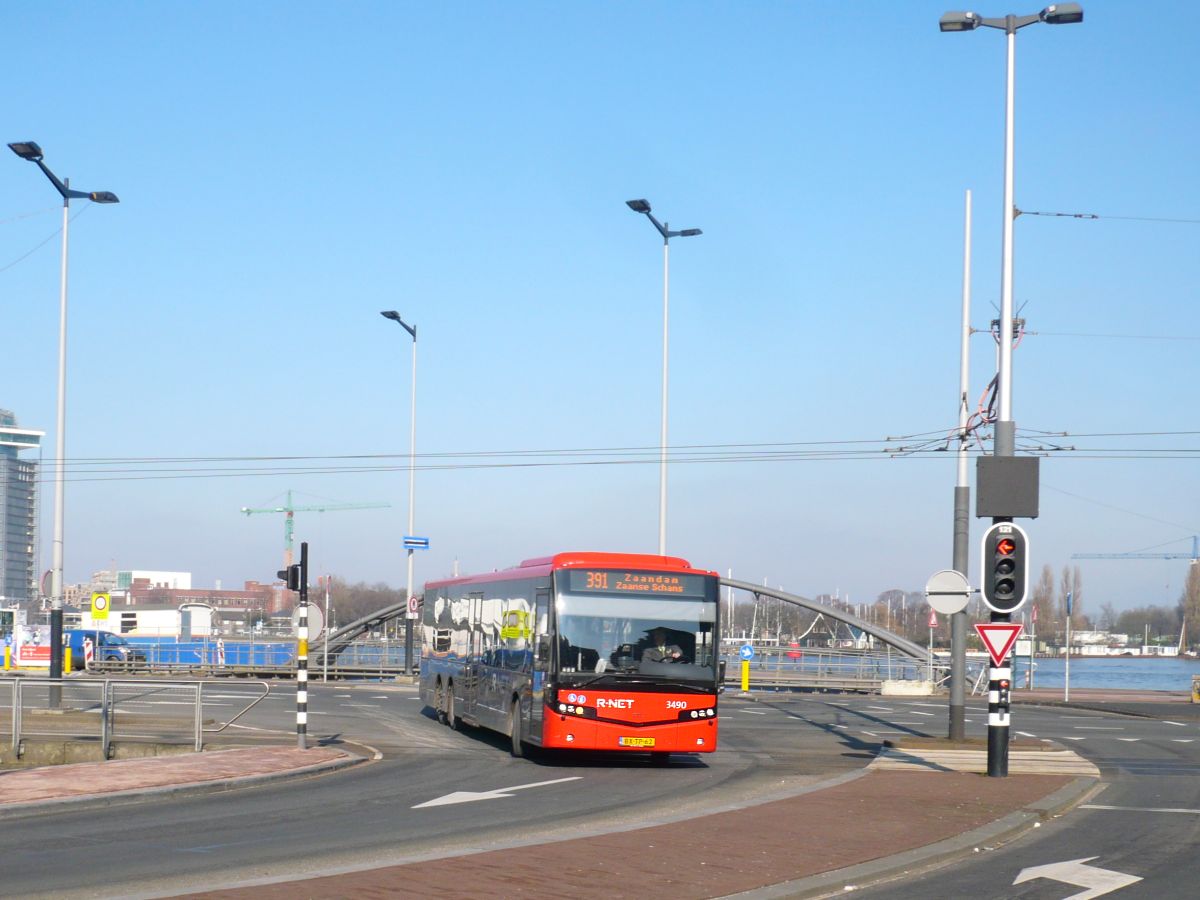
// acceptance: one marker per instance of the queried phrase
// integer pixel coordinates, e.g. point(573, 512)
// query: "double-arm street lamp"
point(30, 151)
point(412, 453)
point(1005, 439)
point(1056, 14)
point(643, 207)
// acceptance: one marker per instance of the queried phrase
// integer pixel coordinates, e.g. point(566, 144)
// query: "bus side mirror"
point(721, 672)
point(543, 648)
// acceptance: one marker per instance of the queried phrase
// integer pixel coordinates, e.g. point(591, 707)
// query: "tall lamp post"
point(411, 614)
point(1056, 14)
point(643, 207)
point(1005, 439)
point(30, 151)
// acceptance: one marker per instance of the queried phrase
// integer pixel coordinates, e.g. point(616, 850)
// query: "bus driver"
point(661, 651)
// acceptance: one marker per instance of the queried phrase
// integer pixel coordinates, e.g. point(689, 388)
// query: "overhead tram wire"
point(1064, 215)
point(155, 468)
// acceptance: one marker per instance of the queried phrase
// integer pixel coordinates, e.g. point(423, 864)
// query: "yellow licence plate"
point(635, 742)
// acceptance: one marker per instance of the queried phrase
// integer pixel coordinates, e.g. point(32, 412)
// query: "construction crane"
point(1194, 556)
point(289, 522)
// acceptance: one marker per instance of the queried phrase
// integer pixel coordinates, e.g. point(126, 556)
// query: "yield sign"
point(999, 638)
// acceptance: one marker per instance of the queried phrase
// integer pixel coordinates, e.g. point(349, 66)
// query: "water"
point(1130, 673)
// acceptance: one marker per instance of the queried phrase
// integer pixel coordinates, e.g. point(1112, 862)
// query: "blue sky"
point(288, 170)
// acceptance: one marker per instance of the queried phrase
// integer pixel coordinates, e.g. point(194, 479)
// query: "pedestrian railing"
point(819, 668)
point(110, 709)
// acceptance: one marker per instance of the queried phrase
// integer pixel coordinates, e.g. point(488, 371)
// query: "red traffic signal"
point(1005, 567)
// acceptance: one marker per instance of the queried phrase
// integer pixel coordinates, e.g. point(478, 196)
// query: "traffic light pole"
point(999, 683)
point(1005, 560)
point(302, 654)
point(295, 577)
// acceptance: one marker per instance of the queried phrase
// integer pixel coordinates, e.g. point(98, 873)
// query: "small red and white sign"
point(998, 638)
point(89, 653)
point(933, 618)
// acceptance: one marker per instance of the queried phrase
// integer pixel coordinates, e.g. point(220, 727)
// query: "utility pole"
point(962, 501)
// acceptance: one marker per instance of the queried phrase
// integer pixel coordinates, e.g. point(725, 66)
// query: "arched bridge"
point(903, 645)
point(339, 640)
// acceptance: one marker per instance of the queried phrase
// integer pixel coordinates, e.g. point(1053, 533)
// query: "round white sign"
point(947, 591)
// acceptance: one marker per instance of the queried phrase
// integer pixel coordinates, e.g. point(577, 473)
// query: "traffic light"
point(290, 576)
point(1005, 567)
point(1004, 695)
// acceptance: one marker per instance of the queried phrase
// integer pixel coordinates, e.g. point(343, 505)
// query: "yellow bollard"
point(7, 657)
point(67, 658)
point(1196, 688)
point(745, 676)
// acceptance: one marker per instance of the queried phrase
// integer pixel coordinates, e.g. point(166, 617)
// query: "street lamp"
point(28, 150)
point(411, 614)
point(1005, 434)
point(643, 207)
point(1055, 14)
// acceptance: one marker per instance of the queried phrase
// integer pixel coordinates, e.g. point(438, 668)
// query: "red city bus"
point(587, 651)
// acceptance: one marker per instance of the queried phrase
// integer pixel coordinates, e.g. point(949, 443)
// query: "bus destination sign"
point(620, 581)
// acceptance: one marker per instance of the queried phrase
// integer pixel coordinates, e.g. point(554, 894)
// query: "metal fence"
point(820, 668)
point(109, 709)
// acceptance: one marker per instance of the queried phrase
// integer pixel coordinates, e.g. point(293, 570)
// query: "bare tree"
point(1071, 583)
point(1190, 601)
point(1042, 601)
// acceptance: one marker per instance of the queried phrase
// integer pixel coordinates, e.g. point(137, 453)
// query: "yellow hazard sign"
point(100, 603)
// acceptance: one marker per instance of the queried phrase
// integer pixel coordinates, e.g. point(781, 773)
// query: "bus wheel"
point(451, 719)
point(439, 701)
point(518, 747)
point(660, 759)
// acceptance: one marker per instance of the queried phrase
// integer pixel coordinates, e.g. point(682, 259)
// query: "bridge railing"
point(785, 667)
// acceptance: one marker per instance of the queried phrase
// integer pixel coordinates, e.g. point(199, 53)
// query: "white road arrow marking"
point(1097, 881)
point(471, 796)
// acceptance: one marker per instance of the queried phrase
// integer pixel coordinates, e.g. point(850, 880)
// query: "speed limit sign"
point(414, 604)
point(100, 602)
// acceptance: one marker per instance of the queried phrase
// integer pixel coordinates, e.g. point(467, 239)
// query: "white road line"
point(1182, 740)
point(1129, 740)
point(380, 697)
point(1097, 728)
point(917, 712)
point(1158, 809)
point(1026, 734)
point(1180, 724)
point(883, 708)
point(752, 712)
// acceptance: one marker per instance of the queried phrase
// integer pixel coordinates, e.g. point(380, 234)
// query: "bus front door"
point(540, 641)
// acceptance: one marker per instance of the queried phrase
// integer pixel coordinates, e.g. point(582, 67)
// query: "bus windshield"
point(648, 636)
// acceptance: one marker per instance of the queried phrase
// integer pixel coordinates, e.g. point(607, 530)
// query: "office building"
point(18, 512)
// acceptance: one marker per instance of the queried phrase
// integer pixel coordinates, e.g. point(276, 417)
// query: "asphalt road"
point(383, 812)
point(1137, 837)
point(366, 816)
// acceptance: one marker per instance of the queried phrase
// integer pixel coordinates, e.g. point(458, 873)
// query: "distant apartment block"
point(18, 511)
